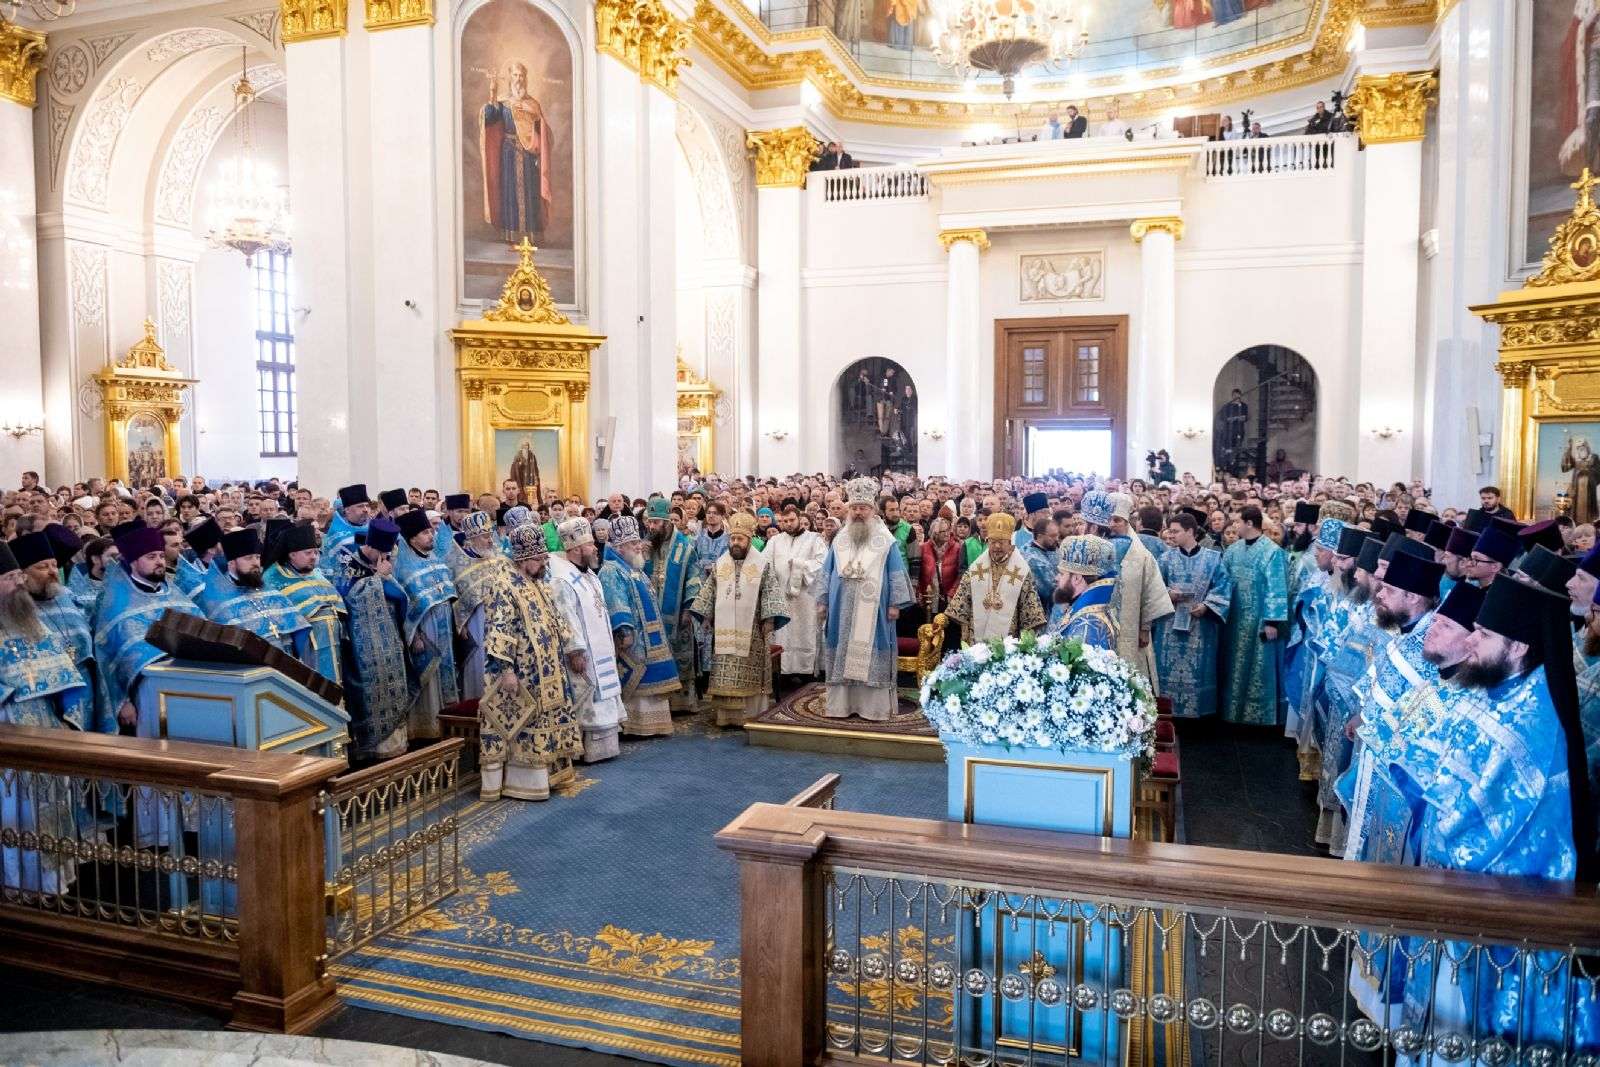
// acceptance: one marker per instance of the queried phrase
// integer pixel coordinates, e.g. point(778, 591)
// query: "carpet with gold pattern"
point(806, 707)
point(606, 918)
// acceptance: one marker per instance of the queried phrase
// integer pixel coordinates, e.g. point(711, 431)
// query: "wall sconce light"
point(1383, 433)
point(936, 434)
point(777, 435)
point(20, 428)
point(1189, 433)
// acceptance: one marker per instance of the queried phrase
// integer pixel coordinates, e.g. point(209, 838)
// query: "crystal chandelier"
point(249, 211)
point(42, 10)
point(1007, 36)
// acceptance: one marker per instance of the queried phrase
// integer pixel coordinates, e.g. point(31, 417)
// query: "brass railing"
point(393, 850)
point(906, 940)
point(186, 867)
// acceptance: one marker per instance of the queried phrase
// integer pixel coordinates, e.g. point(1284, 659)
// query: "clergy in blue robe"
point(672, 567)
point(645, 665)
point(86, 579)
point(205, 544)
point(377, 690)
point(40, 686)
point(476, 564)
point(1042, 554)
point(1504, 800)
point(709, 545)
point(429, 622)
point(352, 511)
point(1188, 642)
point(59, 611)
point(137, 593)
point(292, 571)
point(234, 595)
point(1308, 615)
point(1088, 579)
point(1257, 624)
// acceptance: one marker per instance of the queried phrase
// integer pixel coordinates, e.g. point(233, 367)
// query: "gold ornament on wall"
point(1392, 107)
point(142, 397)
point(977, 237)
point(783, 156)
point(644, 35)
point(1163, 224)
point(21, 55)
point(309, 20)
point(523, 373)
point(697, 420)
point(1549, 371)
point(393, 14)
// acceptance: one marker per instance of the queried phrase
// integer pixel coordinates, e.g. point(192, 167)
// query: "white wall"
point(224, 402)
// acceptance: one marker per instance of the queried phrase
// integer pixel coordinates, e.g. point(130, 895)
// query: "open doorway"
point(1068, 448)
point(1265, 399)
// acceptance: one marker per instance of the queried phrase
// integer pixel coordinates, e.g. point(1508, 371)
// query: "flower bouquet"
point(1040, 691)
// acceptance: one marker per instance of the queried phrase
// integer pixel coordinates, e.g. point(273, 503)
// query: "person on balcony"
point(1321, 120)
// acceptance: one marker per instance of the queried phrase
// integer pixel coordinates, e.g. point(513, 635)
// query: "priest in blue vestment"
point(1257, 624)
point(205, 545)
point(40, 686)
point(645, 665)
point(1188, 642)
point(1042, 553)
point(59, 611)
point(234, 595)
point(672, 567)
point(291, 569)
point(1308, 615)
point(709, 545)
point(86, 580)
point(429, 621)
point(137, 593)
point(1088, 578)
point(1505, 800)
point(377, 691)
point(352, 510)
point(476, 563)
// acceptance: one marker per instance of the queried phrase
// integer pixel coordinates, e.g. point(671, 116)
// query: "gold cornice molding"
point(782, 156)
point(757, 58)
point(22, 53)
point(978, 237)
point(1391, 14)
point(311, 20)
point(645, 36)
point(1392, 108)
point(395, 14)
point(1158, 224)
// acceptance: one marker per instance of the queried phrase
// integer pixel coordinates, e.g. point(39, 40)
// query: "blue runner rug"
point(607, 918)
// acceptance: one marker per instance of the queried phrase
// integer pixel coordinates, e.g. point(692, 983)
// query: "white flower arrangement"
point(1041, 692)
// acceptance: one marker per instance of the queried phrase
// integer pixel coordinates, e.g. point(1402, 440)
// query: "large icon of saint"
point(515, 139)
point(525, 469)
point(1578, 459)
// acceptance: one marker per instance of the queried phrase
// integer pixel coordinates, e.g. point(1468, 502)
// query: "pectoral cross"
point(992, 601)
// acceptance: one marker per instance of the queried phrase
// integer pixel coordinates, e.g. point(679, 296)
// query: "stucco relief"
point(89, 169)
point(59, 115)
point(102, 47)
point(721, 343)
point(179, 43)
point(174, 284)
point(70, 69)
point(713, 189)
point(87, 266)
point(263, 24)
point(175, 189)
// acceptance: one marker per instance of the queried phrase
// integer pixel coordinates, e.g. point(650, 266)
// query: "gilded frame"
point(524, 366)
point(142, 383)
point(697, 417)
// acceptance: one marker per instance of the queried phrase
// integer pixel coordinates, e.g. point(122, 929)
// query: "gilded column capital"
point(978, 237)
point(1513, 375)
point(393, 14)
point(1389, 108)
point(782, 156)
point(1159, 224)
point(309, 20)
point(21, 55)
point(644, 35)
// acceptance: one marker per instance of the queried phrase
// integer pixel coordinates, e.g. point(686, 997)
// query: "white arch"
point(713, 187)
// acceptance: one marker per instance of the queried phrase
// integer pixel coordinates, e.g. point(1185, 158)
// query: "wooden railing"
point(860, 936)
point(1275, 156)
point(189, 869)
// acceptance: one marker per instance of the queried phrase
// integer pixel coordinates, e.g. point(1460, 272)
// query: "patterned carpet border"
point(804, 708)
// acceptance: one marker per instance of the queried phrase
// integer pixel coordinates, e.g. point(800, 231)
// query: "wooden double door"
point(1059, 374)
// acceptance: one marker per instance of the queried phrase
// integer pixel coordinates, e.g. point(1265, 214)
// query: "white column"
point(416, 416)
point(779, 333)
point(331, 313)
point(22, 384)
point(1153, 369)
point(964, 448)
point(1386, 418)
point(614, 381)
point(657, 379)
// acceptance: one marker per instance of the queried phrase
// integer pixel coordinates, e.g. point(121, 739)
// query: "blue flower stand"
point(1039, 952)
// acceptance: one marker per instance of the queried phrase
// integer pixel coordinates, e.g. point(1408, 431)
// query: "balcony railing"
point(1238, 160)
point(870, 937)
point(873, 184)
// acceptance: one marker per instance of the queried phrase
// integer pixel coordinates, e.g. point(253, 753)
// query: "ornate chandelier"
point(1007, 36)
point(42, 10)
point(249, 211)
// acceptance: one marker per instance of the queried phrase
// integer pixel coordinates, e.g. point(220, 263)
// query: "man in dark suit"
point(834, 157)
point(1321, 120)
point(1077, 125)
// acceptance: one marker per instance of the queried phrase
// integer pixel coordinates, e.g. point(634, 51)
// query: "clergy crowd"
point(1436, 670)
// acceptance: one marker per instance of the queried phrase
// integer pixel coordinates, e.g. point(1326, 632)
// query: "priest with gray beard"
point(863, 588)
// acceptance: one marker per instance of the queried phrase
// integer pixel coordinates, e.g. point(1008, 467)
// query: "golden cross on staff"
point(1584, 184)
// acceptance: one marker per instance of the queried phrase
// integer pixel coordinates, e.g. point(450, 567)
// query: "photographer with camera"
point(1160, 467)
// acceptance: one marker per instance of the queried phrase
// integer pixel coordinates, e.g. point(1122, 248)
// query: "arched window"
point(1265, 399)
point(877, 418)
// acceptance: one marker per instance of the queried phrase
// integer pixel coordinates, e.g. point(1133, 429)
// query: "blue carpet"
point(607, 918)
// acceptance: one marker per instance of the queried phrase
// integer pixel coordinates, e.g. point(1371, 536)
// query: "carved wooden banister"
point(235, 926)
point(438, 752)
point(819, 794)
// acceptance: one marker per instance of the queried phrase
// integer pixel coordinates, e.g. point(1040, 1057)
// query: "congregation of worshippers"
point(1436, 668)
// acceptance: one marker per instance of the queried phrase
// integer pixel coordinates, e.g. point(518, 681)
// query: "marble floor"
point(190, 1048)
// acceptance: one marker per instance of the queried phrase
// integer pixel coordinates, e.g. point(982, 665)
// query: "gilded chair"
point(919, 655)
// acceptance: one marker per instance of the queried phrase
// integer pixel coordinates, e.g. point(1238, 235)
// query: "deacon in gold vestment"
point(741, 603)
point(528, 733)
point(997, 596)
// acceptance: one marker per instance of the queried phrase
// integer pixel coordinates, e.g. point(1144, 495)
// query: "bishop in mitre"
point(596, 691)
point(997, 596)
point(863, 587)
point(740, 604)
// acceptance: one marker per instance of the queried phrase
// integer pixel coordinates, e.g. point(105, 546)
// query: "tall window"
point(274, 355)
